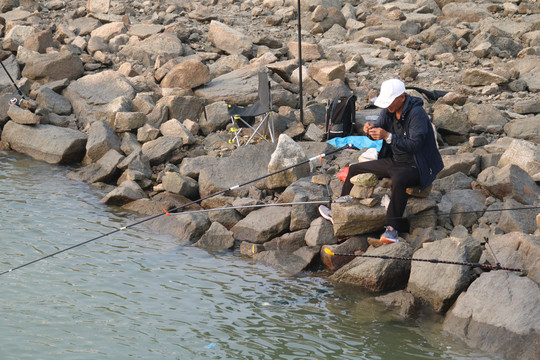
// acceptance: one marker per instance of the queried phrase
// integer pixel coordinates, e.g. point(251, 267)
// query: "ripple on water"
point(139, 295)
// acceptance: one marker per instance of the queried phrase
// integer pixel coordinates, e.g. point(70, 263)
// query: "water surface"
point(139, 295)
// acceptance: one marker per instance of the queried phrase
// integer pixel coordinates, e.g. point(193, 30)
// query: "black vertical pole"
point(301, 102)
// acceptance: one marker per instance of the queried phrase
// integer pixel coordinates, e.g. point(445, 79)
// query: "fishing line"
point(433, 261)
point(168, 213)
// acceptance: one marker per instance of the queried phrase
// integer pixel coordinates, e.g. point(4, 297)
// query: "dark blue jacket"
point(419, 138)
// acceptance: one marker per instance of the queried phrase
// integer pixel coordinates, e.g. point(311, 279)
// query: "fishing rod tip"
point(328, 251)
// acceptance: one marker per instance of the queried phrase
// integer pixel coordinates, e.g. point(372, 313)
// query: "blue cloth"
point(359, 142)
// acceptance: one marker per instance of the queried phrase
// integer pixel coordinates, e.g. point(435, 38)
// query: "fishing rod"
point(168, 213)
point(433, 261)
point(254, 206)
point(13, 101)
point(417, 216)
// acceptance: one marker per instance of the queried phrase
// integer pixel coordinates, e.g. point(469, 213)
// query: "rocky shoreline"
point(136, 93)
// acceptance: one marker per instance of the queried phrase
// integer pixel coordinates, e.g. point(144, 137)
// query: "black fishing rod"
point(433, 261)
point(318, 157)
point(14, 100)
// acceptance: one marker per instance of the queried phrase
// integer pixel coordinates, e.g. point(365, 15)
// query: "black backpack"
point(340, 117)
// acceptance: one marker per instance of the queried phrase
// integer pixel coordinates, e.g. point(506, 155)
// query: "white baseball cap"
point(390, 90)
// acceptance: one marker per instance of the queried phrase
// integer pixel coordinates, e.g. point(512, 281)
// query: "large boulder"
point(93, 93)
point(187, 75)
point(53, 66)
point(303, 190)
point(186, 228)
point(245, 163)
point(262, 225)
point(287, 262)
point(53, 144)
point(440, 284)
point(159, 150)
point(528, 128)
point(518, 250)
point(355, 219)
point(229, 40)
point(216, 238)
point(378, 274)
point(499, 313)
point(101, 138)
point(511, 181)
point(167, 45)
point(287, 154)
point(524, 154)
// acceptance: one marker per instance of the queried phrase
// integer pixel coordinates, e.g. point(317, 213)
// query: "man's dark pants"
point(402, 176)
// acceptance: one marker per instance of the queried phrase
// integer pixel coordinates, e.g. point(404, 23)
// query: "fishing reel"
point(15, 101)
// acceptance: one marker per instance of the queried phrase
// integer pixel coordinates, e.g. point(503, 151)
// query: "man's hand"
point(378, 133)
point(368, 126)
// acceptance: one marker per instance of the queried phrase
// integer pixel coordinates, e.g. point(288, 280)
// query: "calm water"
point(141, 296)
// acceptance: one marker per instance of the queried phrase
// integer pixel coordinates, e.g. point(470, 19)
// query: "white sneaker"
point(326, 213)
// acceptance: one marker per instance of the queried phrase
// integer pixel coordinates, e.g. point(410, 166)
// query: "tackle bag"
point(340, 117)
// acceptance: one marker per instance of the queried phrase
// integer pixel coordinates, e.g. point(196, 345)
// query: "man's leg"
point(378, 167)
point(402, 178)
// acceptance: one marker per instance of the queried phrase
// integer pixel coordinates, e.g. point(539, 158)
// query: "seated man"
point(414, 159)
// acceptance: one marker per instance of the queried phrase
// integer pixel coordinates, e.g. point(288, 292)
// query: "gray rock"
point(178, 184)
point(215, 117)
point(448, 119)
point(227, 218)
point(147, 133)
point(104, 170)
point(484, 114)
point(517, 250)
point(455, 181)
point(182, 107)
point(174, 127)
point(187, 75)
point(101, 138)
point(303, 190)
point(23, 116)
point(128, 121)
point(215, 176)
point(521, 221)
point(229, 39)
point(524, 154)
point(262, 225)
point(127, 192)
point(440, 284)
point(287, 154)
point(509, 181)
point(407, 302)
point(239, 87)
point(515, 329)
point(289, 263)
point(159, 150)
point(465, 206)
point(216, 238)
point(53, 66)
point(289, 242)
point(528, 128)
point(377, 274)
point(166, 45)
point(466, 163)
point(54, 102)
point(93, 93)
point(354, 219)
point(49, 143)
point(321, 232)
point(12, 68)
point(186, 228)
